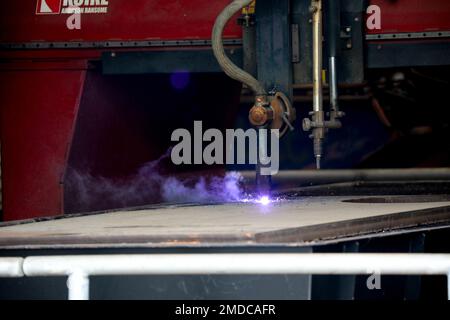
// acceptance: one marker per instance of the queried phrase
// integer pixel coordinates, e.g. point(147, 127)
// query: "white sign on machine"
point(46, 7)
point(74, 8)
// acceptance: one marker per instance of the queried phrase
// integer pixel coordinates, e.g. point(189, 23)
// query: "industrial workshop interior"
point(220, 152)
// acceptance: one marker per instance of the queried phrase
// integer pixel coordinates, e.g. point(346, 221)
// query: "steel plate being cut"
point(291, 222)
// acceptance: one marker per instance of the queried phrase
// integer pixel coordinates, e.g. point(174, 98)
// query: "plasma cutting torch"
point(274, 110)
point(317, 124)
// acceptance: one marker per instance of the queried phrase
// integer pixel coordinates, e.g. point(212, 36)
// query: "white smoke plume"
point(148, 186)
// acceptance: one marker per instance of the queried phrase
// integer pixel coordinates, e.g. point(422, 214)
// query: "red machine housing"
point(41, 89)
point(412, 16)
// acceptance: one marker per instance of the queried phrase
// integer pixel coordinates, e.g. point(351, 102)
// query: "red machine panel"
point(45, 20)
point(116, 20)
point(37, 115)
point(413, 16)
point(39, 100)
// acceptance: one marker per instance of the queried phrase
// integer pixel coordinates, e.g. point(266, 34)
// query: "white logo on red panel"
point(48, 7)
point(45, 7)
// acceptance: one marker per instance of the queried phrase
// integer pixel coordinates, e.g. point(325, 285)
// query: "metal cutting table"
point(296, 221)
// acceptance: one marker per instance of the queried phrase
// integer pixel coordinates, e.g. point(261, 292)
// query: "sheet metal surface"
point(292, 222)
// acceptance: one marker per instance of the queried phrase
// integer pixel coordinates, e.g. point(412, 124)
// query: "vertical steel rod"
point(317, 54)
point(318, 114)
point(333, 12)
point(333, 85)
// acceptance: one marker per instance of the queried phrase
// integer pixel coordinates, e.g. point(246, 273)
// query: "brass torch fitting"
point(262, 113)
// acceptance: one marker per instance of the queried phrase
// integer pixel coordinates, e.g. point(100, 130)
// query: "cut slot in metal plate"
point(402, 199)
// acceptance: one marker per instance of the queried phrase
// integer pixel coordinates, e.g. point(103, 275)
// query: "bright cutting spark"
point(261, 200)
point(265, 200)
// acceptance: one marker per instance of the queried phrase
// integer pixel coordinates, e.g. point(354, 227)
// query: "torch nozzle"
point(318, 158)
point(318, 150)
